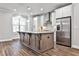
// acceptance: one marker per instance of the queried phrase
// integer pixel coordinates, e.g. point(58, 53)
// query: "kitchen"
point(41, 31)
point(46, 34)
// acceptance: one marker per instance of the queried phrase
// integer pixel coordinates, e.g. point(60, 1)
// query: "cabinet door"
point(26, 39)
point(67, 10)
point(47, 41)
point(59, 13)
point(21, 37)
point(32, 41)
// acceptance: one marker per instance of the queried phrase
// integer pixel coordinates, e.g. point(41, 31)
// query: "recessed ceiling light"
point(31, 13)
point(41, 9)
point(28, 20)
point(14, 9)
point(28, 8)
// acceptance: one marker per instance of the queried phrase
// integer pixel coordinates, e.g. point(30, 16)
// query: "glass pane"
point(22, 28)
point(35, 23)
point(15, 28)
point(15, 20)
point(42, 20)
point(22, 21)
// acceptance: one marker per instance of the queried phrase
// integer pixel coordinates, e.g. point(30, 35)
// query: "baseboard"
point(74, 46)
point(4, 40)
point(11, 39)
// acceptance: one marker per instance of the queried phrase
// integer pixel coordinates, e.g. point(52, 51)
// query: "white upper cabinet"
point(64, 11)
point(53, 19)
point(67, 10)
point(59, 13)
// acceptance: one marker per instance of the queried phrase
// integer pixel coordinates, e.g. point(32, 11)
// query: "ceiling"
point(22, 8)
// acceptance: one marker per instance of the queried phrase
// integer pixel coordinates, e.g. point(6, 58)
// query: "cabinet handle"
point(48, 37)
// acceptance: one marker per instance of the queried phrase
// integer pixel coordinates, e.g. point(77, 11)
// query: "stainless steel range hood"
point(48, 22)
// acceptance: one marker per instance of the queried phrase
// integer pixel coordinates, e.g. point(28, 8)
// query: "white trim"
point(75, 46)
point(4, 40)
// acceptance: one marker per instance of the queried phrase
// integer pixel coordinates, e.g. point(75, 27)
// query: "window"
point(38, 21)
point(22, 24)
point(35, 23)
point(19, 23)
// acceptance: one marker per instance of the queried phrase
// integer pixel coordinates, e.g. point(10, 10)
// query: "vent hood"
point(48, 22)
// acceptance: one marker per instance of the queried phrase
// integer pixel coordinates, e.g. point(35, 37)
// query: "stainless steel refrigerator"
point(63, 33)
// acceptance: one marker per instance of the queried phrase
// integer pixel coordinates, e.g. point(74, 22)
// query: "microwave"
point(58, 27)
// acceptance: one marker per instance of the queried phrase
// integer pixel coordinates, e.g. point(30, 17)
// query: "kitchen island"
point(37, 41)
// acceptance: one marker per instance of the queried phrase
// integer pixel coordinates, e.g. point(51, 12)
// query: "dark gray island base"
point(37, 41)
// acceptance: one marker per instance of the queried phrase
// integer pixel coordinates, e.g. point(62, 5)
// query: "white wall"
point(75, 25)
point(6, 27)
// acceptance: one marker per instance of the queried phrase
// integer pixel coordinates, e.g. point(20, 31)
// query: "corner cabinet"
point(64, 11)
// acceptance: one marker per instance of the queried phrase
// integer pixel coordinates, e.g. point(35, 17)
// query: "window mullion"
point(19, 24)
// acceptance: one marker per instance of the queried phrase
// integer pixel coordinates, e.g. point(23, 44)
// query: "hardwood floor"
point(14, 48)
point(62, 51)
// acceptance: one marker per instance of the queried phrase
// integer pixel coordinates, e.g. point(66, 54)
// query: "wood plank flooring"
point(15, 48)
point(62, 51)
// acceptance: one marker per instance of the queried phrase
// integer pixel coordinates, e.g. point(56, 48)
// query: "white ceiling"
point(35, 7)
